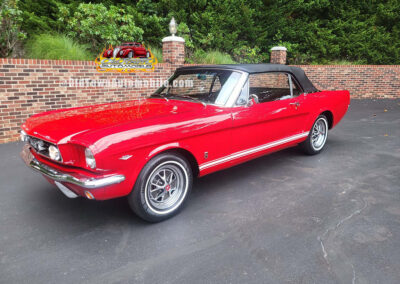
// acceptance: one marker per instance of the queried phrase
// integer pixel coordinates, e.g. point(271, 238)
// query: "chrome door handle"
point(295, 104)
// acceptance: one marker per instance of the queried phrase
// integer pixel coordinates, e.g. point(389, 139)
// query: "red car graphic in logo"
point(127, 50)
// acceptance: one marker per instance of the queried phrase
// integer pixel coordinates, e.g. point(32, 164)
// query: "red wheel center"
point(168, 187)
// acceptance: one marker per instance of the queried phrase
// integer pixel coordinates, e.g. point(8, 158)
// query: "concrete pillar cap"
point(279, 48)
point(173, 38)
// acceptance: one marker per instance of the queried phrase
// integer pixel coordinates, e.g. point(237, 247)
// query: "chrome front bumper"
point(56, 175)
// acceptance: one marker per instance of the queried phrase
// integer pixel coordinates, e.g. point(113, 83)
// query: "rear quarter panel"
point(337, 102)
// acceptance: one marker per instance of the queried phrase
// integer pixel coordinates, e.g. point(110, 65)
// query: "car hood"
point(62, 126)
point(130, 47)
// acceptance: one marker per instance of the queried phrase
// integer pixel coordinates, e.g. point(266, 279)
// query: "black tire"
point(145, 206)
point(308, 146)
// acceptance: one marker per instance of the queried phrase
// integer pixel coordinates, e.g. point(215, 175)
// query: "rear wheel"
point(316, 139)
point(162, 187)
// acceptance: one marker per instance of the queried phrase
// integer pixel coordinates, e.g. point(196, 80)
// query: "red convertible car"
point(127, 50)
point(207, 118)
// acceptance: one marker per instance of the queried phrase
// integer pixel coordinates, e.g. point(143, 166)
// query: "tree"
point(10, 23)
point(314, 31)
point(98, 25)
point(38, 16)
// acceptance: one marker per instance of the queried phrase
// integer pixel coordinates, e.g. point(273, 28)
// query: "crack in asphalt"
point(334, 228)
point(324, 253)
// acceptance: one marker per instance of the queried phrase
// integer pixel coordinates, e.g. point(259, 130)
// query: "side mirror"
point(252, 100)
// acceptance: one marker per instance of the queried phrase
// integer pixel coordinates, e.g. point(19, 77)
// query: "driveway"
point(286, 217)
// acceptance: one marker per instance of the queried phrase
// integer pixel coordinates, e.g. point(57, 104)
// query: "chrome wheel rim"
point(166, 187)
point(319, 134)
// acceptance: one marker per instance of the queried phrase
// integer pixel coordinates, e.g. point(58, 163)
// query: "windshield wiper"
point(189, 97)
point(160, 96)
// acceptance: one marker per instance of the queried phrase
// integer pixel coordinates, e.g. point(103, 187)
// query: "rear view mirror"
point(201, 77)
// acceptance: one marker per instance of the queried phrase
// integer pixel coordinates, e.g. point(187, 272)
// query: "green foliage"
point(157, 52)
point(10, 22)
point(98, 25)
point(38, 16)
point(314, 31)
point(55, 46)
point(324, 31)
point(211, 57)
point(184, 32)
point(246, 54)
point(214, 24)
point(145, 14)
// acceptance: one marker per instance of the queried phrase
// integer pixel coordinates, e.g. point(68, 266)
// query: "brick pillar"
point(278, 55)
point(173, 50)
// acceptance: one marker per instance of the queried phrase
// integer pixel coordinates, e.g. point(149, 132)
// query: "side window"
point(272, 86)
point(244, 95)
point(216, 85)
point(295, 88)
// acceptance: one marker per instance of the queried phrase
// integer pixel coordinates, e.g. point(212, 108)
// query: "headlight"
point(90, 161)
point(23, 136)
point(54, 153)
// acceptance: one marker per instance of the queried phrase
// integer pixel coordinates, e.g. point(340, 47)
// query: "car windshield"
point(205, 86)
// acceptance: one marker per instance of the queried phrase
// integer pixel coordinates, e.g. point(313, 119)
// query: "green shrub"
point(98, 25)
point(10, 22)
point(210, 57)
point(49, 46)
point(246, 54)
point(157, 52)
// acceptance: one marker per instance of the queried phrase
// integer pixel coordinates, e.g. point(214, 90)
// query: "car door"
point(269, 114)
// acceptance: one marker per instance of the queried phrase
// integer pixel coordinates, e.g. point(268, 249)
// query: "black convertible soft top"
point(297, 72)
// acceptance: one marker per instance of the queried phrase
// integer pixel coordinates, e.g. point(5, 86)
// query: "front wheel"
point(162, 187)
point(316, 139)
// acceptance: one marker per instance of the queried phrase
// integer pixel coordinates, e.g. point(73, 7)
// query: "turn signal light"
point(89, 195)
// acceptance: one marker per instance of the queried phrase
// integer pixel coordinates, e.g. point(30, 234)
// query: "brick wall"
point(363, 81)
point(32, 86)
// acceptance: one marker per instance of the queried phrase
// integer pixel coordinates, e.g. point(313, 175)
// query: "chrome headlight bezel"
point(90, 160)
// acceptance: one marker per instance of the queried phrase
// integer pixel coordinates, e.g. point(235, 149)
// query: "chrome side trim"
point(63, 177)
point(252, 151)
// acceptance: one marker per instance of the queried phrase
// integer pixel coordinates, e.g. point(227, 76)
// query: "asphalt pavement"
point(282, 218)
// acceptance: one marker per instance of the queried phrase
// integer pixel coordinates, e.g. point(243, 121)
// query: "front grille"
point(41, 147)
